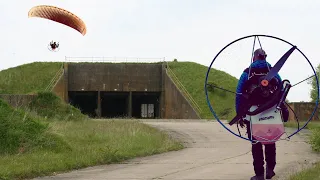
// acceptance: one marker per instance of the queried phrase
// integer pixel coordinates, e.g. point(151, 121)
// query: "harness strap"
point(257, 70)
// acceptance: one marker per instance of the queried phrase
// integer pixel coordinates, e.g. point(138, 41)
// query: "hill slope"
point(192, 76)
point(23, 132)
point(34, 77)
point(28, 78)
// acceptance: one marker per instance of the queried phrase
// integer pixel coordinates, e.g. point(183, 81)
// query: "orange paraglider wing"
point(58, 15)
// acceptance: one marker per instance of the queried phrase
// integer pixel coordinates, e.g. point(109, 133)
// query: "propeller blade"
point(274, 71)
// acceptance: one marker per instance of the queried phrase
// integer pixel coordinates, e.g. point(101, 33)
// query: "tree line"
point(314, 87)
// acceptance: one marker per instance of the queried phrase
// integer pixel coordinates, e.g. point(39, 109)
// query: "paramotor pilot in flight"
point(54, 45)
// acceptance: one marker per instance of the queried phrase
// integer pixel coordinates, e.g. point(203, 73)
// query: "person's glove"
point(285, 112)
point(241, 122)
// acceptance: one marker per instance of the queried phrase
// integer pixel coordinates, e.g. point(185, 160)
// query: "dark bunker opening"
point(117, 104)
point(85, 101)
point(114, 104)
point(145, 105)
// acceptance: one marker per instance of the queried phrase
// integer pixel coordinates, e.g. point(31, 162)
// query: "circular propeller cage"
point(287, 54)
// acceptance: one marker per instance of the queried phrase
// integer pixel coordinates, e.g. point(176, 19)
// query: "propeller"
point(265, 82)
point(274, 71)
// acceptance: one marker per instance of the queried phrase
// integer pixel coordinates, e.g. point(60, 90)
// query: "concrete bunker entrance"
point(117, 104)
point(114, 104)
point(86, 101)
point(146, 104)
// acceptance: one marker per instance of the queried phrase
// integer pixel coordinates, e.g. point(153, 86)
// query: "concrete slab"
point(211, 153)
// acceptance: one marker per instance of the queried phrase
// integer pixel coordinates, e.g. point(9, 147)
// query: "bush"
point(50, 106)
point(21, 132)
point(315, 139)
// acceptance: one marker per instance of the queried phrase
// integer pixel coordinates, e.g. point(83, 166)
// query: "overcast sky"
point(189, 30)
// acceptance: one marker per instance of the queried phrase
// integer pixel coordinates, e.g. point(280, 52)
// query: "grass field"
point(49, 136)
point(192, 76)
point(50, 106)
point(28, 78)
point(87, 143)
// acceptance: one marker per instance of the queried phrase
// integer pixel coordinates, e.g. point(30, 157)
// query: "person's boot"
point(257, 177)
point(269, 173)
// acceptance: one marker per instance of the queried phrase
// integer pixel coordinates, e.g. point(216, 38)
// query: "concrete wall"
point(303, 110)
point(176, 106)
point(128, 77)
point(111, 77)
point(17, 100)
point(60, 88)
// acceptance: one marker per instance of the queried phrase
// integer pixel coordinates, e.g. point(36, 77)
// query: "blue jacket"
point(244, 78)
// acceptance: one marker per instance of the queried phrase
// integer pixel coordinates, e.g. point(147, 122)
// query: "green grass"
point(312, 173)
point(88, 143)
point(314, 140)
point(28, 78)
point(314, 127)
point(48, 136)
point(50, 106)
point(308, 174)
point(192, 76)
point(19, 131)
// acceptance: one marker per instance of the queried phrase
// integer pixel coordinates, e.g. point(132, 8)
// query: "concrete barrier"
point(303, 111)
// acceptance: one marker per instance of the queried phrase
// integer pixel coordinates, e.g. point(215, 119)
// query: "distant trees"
point(314, 87)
